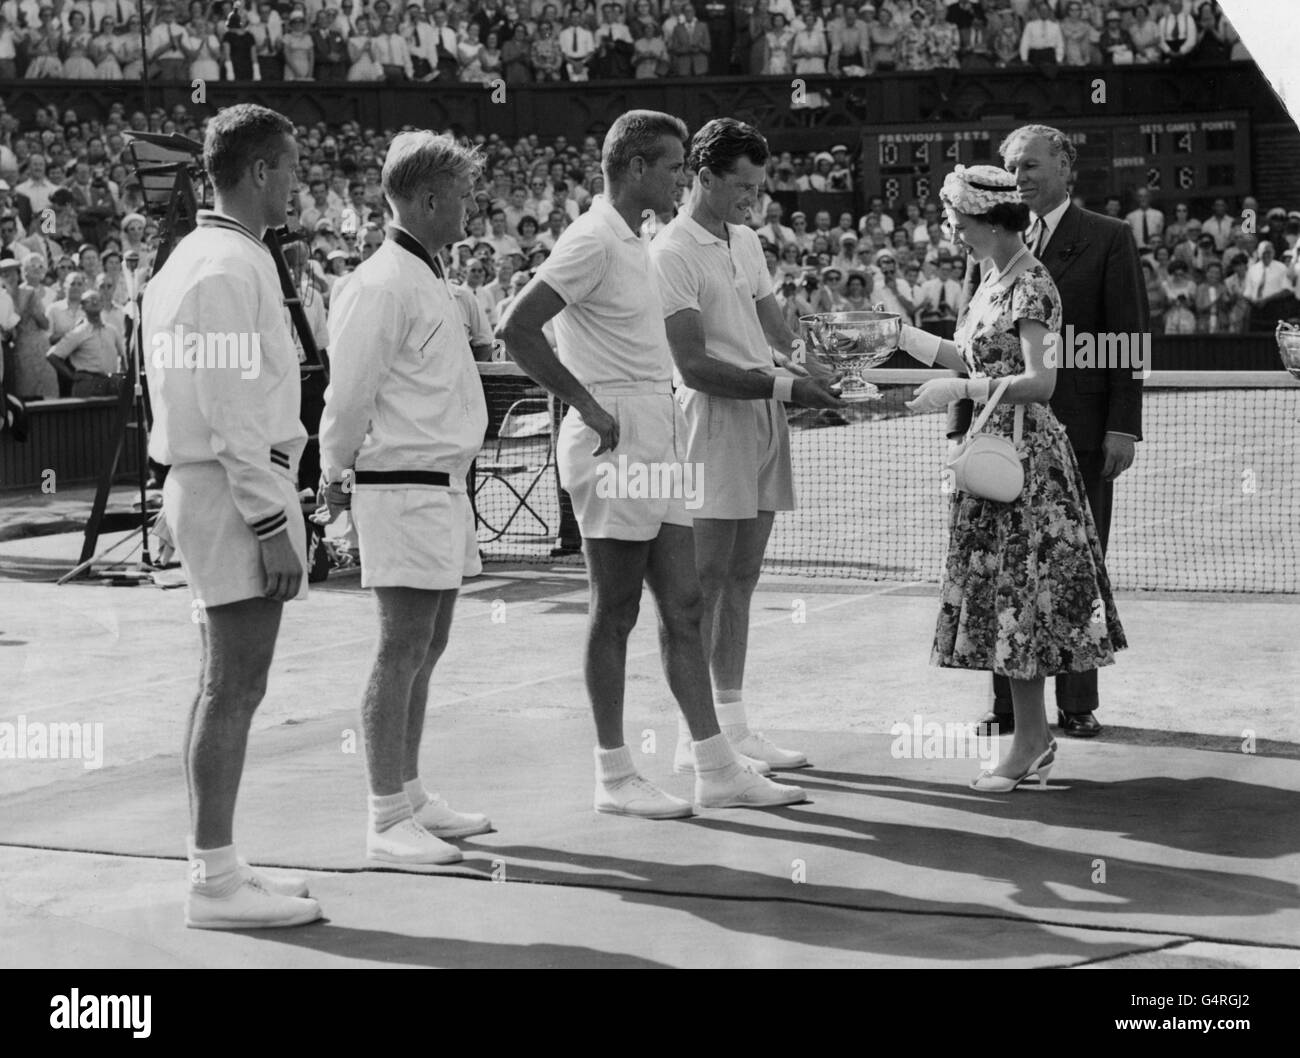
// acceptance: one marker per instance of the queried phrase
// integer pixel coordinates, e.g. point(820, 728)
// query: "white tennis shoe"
point(738, 787)
point(637, 796)
point(251, 906)
point(757, 745)
point(443, 821)
point(409, 844)
point(281, 885)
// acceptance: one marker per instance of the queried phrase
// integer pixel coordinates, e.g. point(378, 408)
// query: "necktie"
point(943, 295)
point(1041, 244)
point(1146, 231)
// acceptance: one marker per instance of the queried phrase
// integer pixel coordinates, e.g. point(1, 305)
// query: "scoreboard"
point(1179, 157)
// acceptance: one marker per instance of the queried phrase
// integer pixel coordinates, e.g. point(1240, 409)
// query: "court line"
point(190, 678)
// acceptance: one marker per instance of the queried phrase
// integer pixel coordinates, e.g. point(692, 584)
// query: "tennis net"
point(1211, 503)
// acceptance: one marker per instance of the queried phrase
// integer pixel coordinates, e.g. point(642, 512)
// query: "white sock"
point(614, 765)
point(387, 810)
point(214, 872)
point(416, 794)
point(714, 753)
point(730, 707)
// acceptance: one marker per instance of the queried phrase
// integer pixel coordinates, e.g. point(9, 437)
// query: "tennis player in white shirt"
point(723, 322)
point(404, 416)
point(231, 433)
point(614, 370)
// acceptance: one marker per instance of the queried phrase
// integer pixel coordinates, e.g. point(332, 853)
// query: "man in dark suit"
point(1094, 262)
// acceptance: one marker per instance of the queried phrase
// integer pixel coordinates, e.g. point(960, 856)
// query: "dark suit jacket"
point(1094, 261)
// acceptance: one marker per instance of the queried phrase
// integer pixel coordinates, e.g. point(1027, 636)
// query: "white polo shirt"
point(612, 326)
point(697, 270)
point(220, 282)
point(404, 393)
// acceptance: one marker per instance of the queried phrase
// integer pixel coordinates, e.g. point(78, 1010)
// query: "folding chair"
point(503, 470)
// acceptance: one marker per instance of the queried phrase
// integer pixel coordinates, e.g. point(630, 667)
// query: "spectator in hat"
point(891, 290)
point(846, 259)
point(299, 50)
point(89, 356)
point(914, 42)
point(1213, 301)
point(782, 178)
point(1115, 44)
point(803, 238)
point(840, 177)
point(820, 178)
point(1180, 290)
point(33, 377)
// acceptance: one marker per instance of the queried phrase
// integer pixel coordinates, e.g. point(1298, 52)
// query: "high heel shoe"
point(987, 782)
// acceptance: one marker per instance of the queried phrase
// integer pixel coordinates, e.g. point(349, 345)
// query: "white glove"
point(918, 344)
point(938, 393)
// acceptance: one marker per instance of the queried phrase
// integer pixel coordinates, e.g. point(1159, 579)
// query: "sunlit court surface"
point(310, 286)
point(1166, 842)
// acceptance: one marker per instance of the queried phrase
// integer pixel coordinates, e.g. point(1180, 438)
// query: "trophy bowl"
point(1288, 347)
point(852, 342)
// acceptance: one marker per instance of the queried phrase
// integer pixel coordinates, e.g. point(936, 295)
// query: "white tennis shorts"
point(646, 482)
point(415, 537)
point(220, 555)
point(744, 446)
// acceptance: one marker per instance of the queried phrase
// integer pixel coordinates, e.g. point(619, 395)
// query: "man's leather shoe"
point(1078, 725)
point(1006, 723)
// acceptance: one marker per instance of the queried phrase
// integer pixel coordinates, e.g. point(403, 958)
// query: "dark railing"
point(578, 110)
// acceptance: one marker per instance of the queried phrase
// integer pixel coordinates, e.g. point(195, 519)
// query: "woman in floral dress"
point(1025, 591)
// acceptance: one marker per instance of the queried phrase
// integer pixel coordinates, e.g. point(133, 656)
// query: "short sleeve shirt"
point(697, 270)
point(612, 326)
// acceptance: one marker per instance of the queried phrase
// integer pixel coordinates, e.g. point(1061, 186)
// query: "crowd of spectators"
point(479, 41)
point(76, 239)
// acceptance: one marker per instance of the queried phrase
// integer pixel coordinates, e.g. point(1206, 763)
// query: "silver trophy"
point(1288, 347)
point(852, 342)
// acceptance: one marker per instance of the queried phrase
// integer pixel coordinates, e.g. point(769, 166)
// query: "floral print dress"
point(1025, 592)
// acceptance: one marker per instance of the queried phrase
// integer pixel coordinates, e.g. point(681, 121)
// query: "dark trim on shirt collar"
point(210, 218)
point(410, 244)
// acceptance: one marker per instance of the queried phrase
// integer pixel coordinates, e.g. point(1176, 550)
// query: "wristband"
point(783, 388)
point(919, 345)
point(978, 389)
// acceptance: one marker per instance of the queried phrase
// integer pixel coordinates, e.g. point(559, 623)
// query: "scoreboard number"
point(888, 153)
point(893, 190)
point(921, 186)
point(953, 151)
point(922, 153)
point(1186, 177)
point(1185, 143)
point(1153, 178)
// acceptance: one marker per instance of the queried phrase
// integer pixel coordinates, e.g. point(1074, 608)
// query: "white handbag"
point(988, 466)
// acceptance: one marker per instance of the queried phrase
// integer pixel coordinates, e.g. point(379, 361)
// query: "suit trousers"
point(1076, 692)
